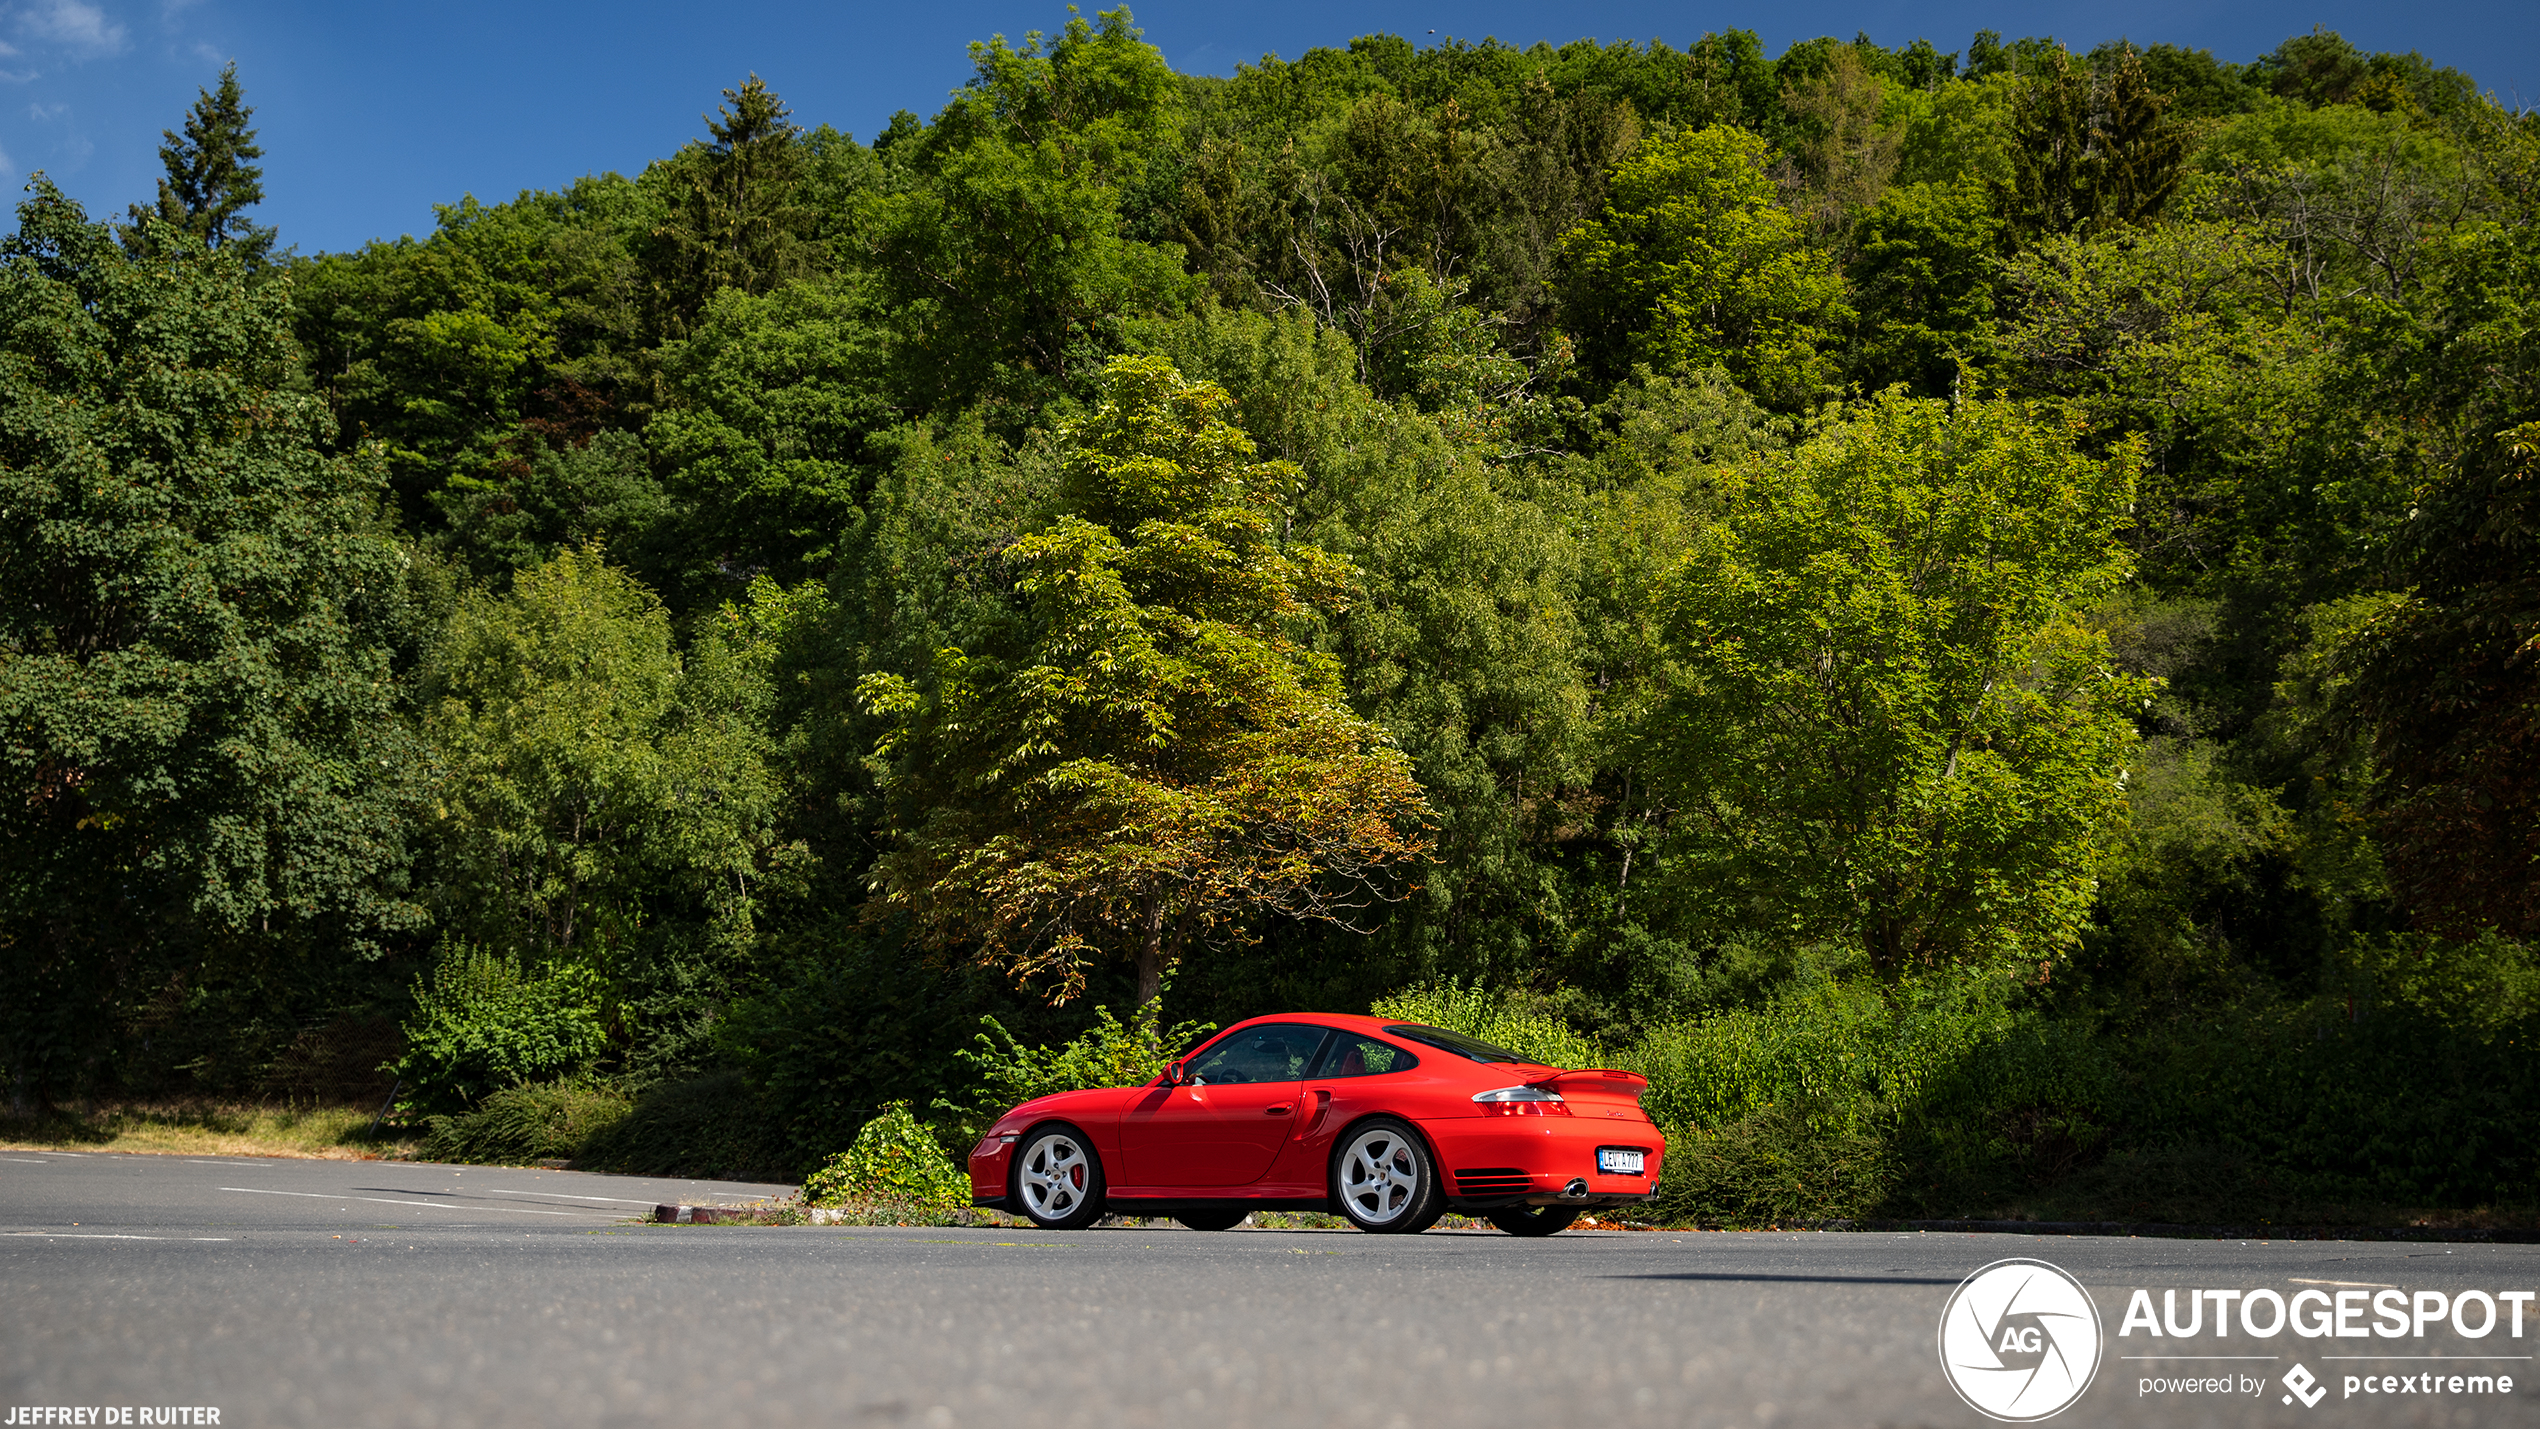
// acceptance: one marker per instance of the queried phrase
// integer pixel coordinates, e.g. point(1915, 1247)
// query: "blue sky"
point(371, 112)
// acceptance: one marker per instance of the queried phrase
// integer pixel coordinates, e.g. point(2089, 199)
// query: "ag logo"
point(2019, 1340)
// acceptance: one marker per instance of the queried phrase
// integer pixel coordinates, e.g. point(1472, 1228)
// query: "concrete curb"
point(679, 1215)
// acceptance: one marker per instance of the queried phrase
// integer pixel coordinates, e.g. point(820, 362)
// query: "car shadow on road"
point(1793, 1279)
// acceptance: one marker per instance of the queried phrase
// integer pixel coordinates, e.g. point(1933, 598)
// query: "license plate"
point(1617, 1161)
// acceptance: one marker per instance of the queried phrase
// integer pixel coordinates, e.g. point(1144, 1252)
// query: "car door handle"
point(1282, 1109)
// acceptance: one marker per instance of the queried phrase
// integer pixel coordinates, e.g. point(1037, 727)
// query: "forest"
point(1974, 614)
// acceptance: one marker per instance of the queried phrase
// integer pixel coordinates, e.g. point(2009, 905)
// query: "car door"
point(1352, 1080)
point(1229, 1119)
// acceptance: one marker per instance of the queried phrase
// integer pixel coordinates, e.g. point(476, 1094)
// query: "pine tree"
point(2140, 154)
point(2089, 150)
point(2050, 153)
point(212, 175)
point(739, 222)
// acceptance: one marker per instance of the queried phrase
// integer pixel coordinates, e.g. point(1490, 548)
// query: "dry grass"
point(336, 1133)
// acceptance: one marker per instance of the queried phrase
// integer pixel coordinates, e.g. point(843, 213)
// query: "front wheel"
point(1384, 1180)
point(1058, 1179)
point(1533, 1220)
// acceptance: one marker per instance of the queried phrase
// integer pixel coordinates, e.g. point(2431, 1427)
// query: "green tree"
point(1923, 270)
point(2091, 148)
point(1891, 727)
point(1695, 263)
point(737, 218)
point(1162, 764)
point(199, 609)
point(2442, 683)
point(213, 177)
point(1002, 254)
point(513, 326)
point(1847, 140)
point(766, 410)
point(604, 801)
point(2179, 332)
point(1462, 645)
point(2140, 152)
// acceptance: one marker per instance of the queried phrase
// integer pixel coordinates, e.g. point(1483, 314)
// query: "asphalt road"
point(367, 1293)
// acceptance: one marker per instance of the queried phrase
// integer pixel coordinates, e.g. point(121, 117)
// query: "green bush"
point(2389, 1106)
point(711, 1126)
point(483, 1024)
point(526, 1123)
point(1779, 1165)
point(1111, 1053)
point(895, 1160)
point(1963, 1095)
point(1475, 1013)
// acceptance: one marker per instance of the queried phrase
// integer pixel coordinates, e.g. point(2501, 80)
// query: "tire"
point(1212, 1219)
point(1384, 1180)
point(1058, 1178)
point(1533, 1220)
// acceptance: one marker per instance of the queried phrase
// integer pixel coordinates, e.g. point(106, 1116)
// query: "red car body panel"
point(1270, 1144)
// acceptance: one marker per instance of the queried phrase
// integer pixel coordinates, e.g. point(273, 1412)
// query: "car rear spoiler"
point(1596, 1079)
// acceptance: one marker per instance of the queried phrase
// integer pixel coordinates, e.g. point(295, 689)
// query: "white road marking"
point(25, 1161)
point(99, 1235)
point(384, 1201)
point(72, 1154)
point(191, 1161)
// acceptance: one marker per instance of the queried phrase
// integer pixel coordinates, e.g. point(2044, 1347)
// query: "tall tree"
point(1003, 256)
point(738, 220)
point(212, 175)
point(2446, 676)
point(1162, 765)
point(2140, 152)
point(199, 731)
point(608, 803)
point(2091, 148)
point(1696, 262)
point(1892, 726)
point(1845, 152)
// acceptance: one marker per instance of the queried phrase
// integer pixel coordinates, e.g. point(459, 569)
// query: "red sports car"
point(1388, 1123)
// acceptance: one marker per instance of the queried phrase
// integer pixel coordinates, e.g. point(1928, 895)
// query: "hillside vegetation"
point(1971, 613)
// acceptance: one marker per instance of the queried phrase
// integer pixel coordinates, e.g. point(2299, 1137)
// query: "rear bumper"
point(1543, 1161)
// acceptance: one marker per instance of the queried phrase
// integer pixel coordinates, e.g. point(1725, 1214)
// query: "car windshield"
point(1458, 1043)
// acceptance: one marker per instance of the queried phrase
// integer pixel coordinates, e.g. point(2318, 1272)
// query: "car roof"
point(1346, 1021)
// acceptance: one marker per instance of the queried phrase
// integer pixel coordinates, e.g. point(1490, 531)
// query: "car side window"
point(1354, 1056)
point(1273, 1052)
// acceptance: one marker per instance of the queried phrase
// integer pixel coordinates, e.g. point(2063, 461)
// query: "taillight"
point(1522, 1101)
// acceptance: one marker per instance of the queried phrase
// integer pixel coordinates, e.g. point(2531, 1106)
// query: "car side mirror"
point(1175, 1074)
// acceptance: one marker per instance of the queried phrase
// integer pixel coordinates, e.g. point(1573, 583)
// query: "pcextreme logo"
point(2019, 1340)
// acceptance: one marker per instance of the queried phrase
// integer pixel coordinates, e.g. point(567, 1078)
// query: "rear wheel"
point(1058, 1179)
point(1533, 1220)
point(1384, 1181)
point(1212, 1219)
